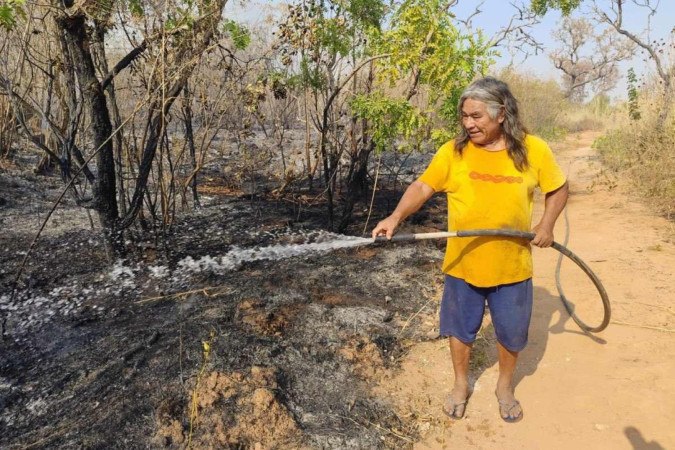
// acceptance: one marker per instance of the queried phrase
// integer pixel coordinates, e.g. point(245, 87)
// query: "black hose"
point(563, 251)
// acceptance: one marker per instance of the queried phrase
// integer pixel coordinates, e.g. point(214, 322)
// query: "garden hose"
point(529, 236)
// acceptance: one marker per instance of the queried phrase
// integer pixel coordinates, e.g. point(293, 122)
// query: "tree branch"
point(617, 24)
point(124, 63)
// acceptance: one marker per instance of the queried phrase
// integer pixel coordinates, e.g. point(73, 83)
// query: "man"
point(489, 173)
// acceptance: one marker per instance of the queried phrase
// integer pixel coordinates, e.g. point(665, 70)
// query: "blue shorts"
point(463, 306)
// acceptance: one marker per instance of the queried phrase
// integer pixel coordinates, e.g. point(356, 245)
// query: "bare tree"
point(7, 128)
point(587, 59)
point(516, 35)
point(62, 77)
point(611, 12)
point(613, 15)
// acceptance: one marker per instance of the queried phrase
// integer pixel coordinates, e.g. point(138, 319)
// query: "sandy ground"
point(611, 391)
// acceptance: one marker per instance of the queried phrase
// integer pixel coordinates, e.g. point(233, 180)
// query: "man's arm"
point(413, 199)
point(554, 203)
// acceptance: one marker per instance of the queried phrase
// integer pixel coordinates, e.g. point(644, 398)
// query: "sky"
point(495, 14)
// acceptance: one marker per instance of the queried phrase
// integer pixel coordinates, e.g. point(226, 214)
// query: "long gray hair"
point(497, 95)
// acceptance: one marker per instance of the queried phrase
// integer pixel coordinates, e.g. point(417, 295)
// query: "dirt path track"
point(615, 391)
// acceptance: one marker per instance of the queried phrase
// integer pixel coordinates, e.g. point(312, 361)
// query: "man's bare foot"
point(509, 408)
point(455, 405)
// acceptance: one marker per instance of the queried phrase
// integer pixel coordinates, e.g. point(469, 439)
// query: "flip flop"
point(450, 407)
point(506, 407)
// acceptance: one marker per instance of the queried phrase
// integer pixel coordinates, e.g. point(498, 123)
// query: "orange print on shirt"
point(494, 178)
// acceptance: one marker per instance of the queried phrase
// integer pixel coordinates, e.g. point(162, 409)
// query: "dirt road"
point(614, 391)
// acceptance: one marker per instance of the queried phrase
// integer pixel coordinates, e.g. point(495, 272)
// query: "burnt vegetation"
point(144, 145)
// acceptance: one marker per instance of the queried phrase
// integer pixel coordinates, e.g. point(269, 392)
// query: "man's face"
point(483, 130)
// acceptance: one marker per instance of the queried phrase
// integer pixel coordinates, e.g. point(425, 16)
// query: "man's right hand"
point(386, 227)
point(413, 198)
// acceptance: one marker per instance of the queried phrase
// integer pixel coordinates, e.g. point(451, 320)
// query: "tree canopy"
point(565, 6)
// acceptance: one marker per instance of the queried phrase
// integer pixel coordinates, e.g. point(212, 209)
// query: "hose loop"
point(568, 253)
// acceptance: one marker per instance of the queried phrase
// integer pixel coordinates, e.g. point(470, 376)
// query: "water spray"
point(406, 237)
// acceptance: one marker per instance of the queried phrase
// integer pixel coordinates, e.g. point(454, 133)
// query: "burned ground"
point(184, 345)
point(173, 348)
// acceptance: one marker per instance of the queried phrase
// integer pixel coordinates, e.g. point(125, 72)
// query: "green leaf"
point(633, 96)
point(240, 35)
point(311, 75)
point(368, 13)
point(390, 119)
point(334, 36)
point(440, 136)
point(423, 39)
point(540, 7)
point(136, 8)
point(9, 10)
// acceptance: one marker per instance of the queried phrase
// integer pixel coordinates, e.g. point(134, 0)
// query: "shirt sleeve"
point(550, 175)
point(437, 174)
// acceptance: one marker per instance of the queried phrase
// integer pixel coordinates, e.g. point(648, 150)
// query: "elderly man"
point(489, 173)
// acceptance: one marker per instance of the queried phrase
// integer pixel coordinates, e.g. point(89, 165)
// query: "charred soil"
point(167, 348)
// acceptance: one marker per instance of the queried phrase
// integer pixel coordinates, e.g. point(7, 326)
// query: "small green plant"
point(239, 34)
point(136, 8)
point(633, 97)
point(9, 11)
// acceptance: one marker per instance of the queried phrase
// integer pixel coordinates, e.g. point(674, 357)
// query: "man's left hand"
point(543, 236)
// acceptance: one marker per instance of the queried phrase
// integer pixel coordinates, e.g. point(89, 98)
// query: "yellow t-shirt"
point(485, 190)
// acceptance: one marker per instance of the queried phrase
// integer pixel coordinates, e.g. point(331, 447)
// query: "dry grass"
point(638, 150)
point(643, 152)
point(596, 115)
point(547, 113)
point(8, 134)
point(582, 119)
point(541, 102)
